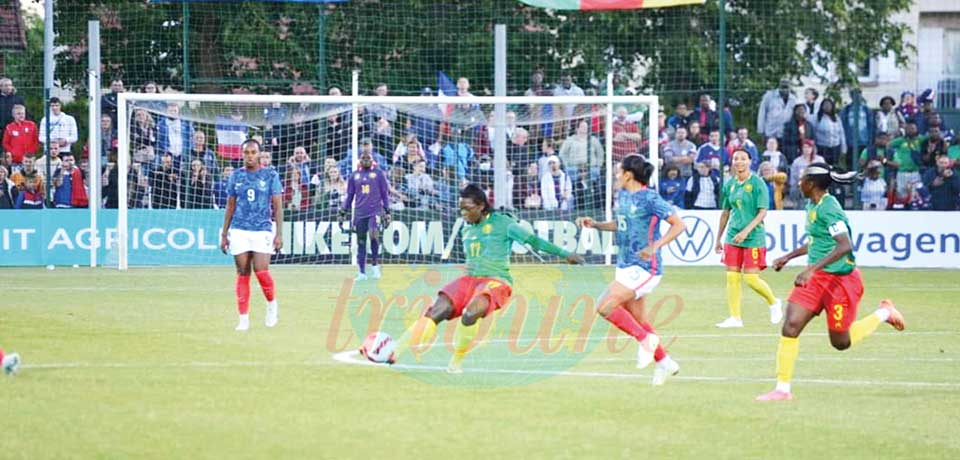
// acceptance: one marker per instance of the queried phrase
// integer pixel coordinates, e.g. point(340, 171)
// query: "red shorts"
point(743, 258)
point(465, 288)
point(839, 295)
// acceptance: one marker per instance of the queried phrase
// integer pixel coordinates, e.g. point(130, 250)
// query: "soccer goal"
point(546, 160)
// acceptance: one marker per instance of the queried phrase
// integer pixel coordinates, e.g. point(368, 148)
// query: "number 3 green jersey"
point(826, 220)
point(488, 245)
point(744, 200)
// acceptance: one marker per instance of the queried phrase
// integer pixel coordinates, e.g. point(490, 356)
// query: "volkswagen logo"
point(696, 241)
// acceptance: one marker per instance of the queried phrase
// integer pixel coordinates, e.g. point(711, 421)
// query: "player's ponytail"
point(639, 167)
point(475, 193)
point(822, 175)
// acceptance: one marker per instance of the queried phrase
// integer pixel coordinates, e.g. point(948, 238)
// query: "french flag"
point(230, 137)
point(445, 87)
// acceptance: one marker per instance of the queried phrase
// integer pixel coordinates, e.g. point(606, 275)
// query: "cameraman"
point(944, 185)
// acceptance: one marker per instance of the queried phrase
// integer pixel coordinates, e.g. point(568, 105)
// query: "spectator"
point(449, 189)
point(108, 180)
point(220, 187)
point(458, 154)
point(20, 135)
point(198, 191)
point(811, 103)
point(301, 160)
point(931, 146)
point(329, 196)
point(672, 187)
point(378, 113)
point(108, 102)
point(680, 153)
point(519, 151)
point(742, 142)
point(944, 185)
point(164, 184)
point(708, 117)
point(679, 119)
point(200, 151)
point(8, 191)
point(108, 138)
point(928, 115)
point(773, 155)
point(908, 107)
point(547, 150)
point(68, 185)
point(567, 88)
point(31, 197)
point(399, 200)
point(555, 187)
point(703, 187)
point(873, 193)
point(175, 135)
point(626, 135)
point(775, 180)
point(28, 173)
point(143, 138)
point(906, 163)
point(879, 152)
point(274, 117)
point(53, 158)
point(529, 188)
point(920, 198)
point(63, 127)
point(266, 159)
point(424, 121)
point(8, 99)
point(420, 187)
point(775, 109)
point(6, 160)
point(151, 87)
point(889, 121)
point(858, 125)
point(795, 132)
point(138, 183)
point(693, 134)
point(581, 151)
point(829, 133)
point(711, 153)
point(539, 115)
point(296, 196)
point(400, 152)
point(807, 157)
point(510, 126)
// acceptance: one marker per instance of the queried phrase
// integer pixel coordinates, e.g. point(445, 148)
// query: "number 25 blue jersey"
point(638, 225)
point(254, 192)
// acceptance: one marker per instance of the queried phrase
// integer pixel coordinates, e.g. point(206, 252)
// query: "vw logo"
point(696, 241)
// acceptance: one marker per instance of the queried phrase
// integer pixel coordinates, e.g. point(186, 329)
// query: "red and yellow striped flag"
point(599, 5)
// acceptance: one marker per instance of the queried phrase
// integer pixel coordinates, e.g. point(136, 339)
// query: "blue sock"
point(375, 251)
point(362, 254)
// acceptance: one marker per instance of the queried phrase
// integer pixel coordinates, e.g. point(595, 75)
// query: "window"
point(951, 52)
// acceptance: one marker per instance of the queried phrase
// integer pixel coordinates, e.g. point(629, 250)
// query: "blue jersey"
point(254, 192)
point(638, 225)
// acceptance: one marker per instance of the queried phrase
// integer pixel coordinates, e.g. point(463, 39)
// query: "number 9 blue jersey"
point(254, 192)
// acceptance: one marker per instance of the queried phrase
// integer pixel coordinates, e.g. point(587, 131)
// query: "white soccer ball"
point(379, 347)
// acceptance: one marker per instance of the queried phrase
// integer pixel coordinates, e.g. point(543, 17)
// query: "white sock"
point(272, 303)
point(666, 361)
point(244, 317)
point(783, 386)
point(883, 314)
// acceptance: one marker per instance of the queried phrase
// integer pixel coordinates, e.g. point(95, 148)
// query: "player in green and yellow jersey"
point(488, 239)
point(831, 280)
point(744, 204)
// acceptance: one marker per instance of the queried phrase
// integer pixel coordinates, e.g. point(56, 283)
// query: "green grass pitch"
point(146, 364)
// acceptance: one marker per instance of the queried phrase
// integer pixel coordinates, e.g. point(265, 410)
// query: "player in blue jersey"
point(253, 195)
point(639, 265)
point(369, 195)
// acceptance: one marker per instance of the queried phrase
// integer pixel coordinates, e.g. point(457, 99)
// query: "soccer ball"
point(378, 347)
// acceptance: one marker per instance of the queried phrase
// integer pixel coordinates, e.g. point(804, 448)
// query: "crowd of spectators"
point(555, 153)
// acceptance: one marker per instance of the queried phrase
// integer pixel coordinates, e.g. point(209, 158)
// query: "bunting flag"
point(445, 87)
point(602, 5)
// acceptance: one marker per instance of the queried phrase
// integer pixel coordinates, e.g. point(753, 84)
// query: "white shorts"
point(640, 281)
point(242, 241)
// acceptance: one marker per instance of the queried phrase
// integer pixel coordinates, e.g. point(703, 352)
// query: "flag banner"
point(604, 5)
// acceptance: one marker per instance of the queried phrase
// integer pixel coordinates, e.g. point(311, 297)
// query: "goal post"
point(176, 150)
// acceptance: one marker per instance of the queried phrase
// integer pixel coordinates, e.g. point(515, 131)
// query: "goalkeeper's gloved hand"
point(342, 216)
point(387, 218)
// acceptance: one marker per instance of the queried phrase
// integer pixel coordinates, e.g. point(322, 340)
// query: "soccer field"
point(146, 364)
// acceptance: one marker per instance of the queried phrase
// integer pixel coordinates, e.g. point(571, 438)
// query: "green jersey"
point(825, 220)
point(744, 200)
point(488, 245)
point(903, 149)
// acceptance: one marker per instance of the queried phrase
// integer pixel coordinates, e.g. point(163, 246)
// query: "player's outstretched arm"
point(588, 222)
point(517, 233)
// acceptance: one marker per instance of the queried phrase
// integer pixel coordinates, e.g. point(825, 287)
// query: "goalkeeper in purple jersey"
point(369, 195)
point(487, 244)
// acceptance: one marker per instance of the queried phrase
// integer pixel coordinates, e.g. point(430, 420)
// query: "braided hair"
point(823, 175)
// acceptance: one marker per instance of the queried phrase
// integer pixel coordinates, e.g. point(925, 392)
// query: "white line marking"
point(350, 357)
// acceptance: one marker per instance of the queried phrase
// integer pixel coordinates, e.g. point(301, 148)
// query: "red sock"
point(1, 354)
point(243, 294)
point(266, 284)
point(624, 320)
point(659, 353)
